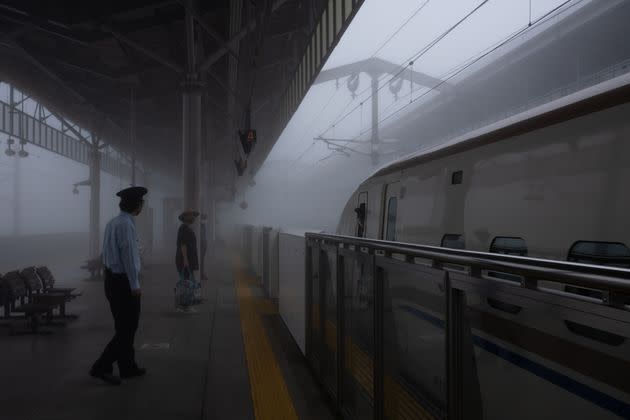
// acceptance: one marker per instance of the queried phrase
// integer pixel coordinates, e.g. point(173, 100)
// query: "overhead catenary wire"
point(410, 60)
point(383, 44)
point(308, 130)
point(453, 72)
point(466, 62)
point(540, 20)
point(401, 27)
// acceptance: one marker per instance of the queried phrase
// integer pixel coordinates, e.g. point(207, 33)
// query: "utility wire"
point(387, 41)
point(401, 27)
point(411, 59)
point(458, 69)
point(510, 38)
point(308, 130)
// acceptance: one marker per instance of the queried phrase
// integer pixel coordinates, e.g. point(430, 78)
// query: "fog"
point(440, 69)
point(44, 219)
point(443, 69)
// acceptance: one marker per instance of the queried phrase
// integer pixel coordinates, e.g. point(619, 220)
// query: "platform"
point(233, 359)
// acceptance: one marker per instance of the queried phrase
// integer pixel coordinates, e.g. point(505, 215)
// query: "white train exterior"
point(550, 183)
point(553, 176)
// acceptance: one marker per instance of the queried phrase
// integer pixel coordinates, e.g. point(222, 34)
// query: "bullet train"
point(553, 183)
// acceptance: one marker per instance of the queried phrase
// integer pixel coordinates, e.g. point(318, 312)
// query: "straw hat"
point(188, 214)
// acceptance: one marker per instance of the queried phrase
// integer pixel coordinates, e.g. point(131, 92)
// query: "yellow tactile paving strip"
point(270, 395)
point(399, 403)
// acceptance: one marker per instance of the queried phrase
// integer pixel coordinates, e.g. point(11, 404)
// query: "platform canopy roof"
point(87, 59)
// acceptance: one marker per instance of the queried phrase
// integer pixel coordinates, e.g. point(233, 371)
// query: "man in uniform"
point(121, 260)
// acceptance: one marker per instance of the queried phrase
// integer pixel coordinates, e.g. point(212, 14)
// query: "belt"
point(109, 271)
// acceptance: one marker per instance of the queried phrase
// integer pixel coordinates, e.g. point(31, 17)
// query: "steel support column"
point(191, 116)
point(191, 144)
point(95, 201)
point(374, 139)
point(16, 168)
point(17, 200)
point(132, 134)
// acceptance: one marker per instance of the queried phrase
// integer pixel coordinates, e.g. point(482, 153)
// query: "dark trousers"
point(126, 312)
point(202, 261)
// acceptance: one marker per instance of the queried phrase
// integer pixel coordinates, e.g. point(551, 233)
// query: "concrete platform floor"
point(197, 368)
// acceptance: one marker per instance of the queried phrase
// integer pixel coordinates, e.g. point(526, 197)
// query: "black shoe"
point(133, 373)
point(105, 376)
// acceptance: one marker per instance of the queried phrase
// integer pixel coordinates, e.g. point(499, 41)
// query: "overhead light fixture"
point(75, 190)
point(10, 151)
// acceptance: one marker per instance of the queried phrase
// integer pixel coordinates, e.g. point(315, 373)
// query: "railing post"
point(453, 351)
point(378, 375)
point(308, 298)
point(340, 328)
point(463, 399)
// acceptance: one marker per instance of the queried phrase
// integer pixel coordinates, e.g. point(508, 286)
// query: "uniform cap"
point(132, 193)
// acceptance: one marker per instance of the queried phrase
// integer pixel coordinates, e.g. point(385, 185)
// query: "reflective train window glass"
point(392, 208)
point(509, 246)
point(454, 241)
point(457, 177)
point(613, 254)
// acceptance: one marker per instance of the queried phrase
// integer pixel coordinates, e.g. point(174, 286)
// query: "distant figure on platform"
point(203, 242)
point(187, 260)
point(121, 260)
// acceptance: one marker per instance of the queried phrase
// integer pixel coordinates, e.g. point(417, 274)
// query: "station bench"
point(39, 293)
point(31, 293)
point(16, 300)
point(48, 282)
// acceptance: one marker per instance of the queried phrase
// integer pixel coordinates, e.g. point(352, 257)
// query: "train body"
point(556, 190)
point(551, 183)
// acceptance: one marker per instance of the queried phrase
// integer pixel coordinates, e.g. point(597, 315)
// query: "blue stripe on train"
point(598, 398)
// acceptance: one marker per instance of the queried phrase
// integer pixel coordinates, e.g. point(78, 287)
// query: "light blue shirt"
point(120, 248)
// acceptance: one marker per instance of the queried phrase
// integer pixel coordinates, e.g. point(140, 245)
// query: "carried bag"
point(184, 291)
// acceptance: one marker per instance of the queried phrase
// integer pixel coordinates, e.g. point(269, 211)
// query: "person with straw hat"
point(186, 258)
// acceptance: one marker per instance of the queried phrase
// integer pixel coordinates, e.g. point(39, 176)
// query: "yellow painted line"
point(270, 395)
point(399, 402)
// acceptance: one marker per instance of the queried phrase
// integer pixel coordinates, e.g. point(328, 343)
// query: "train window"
point(509, 246)
point(613, 254)
point(454, 241)
point(457, 177)
point(392, 208)
point(361, 214)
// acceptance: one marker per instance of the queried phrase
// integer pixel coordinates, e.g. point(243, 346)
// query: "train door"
point(390, 211)
point(361, 211)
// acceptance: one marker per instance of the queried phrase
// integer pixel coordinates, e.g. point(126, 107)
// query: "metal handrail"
point(609, 279)
point(53, 139)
